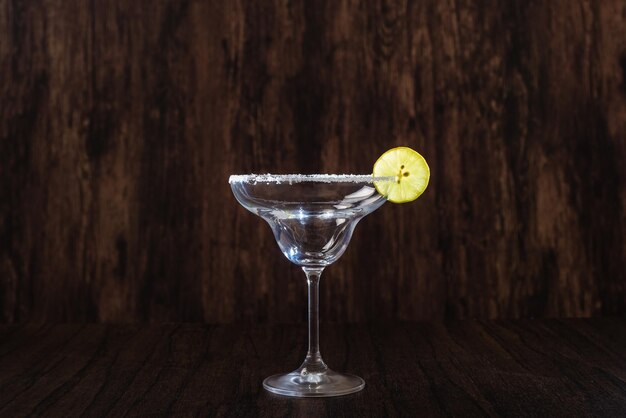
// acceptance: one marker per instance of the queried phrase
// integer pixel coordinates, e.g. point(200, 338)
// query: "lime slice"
point(410, 171)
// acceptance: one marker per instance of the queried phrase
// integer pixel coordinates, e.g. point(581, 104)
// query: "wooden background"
point(120, 122)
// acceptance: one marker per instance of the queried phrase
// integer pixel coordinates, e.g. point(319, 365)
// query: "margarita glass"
point(312, 217)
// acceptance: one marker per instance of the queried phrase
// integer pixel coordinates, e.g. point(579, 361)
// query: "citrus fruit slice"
point(411, 174)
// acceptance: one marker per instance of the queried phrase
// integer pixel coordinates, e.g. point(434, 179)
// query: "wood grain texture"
point(120, 122)
point(524, 368)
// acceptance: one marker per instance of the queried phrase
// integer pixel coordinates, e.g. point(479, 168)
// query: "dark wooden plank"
point(121, 120)
point(470, 368)
point(30, 349)
point(31, 360)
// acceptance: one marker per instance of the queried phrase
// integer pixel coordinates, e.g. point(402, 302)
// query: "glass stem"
point(313, 362)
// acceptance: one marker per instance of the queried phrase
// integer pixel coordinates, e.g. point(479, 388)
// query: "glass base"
point(328, 383)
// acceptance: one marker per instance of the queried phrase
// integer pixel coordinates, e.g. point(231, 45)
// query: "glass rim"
point(307, 178)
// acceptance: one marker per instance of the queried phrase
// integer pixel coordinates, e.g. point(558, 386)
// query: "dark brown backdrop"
point(120, 122)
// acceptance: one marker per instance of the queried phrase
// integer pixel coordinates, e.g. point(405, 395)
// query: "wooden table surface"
point(510, 368)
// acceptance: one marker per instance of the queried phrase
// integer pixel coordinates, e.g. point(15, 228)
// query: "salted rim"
point(301, 178)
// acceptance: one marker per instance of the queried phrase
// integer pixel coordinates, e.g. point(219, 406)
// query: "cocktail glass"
point(312, 217)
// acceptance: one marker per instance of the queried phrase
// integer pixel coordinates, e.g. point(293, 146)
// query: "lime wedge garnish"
point(410, 171)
